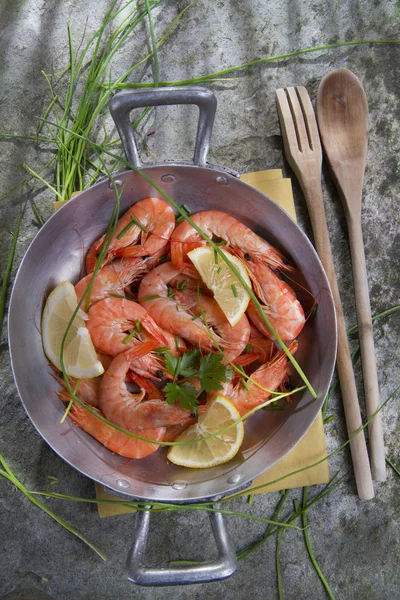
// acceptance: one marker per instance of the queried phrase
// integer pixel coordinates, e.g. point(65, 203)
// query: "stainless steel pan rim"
point(56, 254)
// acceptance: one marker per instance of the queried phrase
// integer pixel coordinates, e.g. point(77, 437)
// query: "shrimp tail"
point(111, 438)
point(140, 350)
point(156, 331)
point(131, 251)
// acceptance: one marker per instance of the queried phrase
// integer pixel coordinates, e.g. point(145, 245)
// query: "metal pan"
point(56, 254)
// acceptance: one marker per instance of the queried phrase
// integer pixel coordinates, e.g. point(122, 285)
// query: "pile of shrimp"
point(145, 296)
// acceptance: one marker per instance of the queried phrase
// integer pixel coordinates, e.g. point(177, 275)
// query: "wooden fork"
point(304, 154)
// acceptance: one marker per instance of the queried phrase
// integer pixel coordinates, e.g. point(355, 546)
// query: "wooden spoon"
point(342, 114)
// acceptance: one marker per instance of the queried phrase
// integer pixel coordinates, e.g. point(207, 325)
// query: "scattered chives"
point(329, 419)
point(234, 290)
point(176, 341)
point(161, 349)
point(186, 209)
point(183, 285)
point(117, 296)
point(219, 270)
point(215, 257)
point(129, 337)
point(131, 224)
point(247, 349)
point(145, 298)
point(6, 277)
point(137, 325)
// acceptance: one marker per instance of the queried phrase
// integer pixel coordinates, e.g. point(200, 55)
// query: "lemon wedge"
point(80, 358)
point(231, 296)
point(213, 451)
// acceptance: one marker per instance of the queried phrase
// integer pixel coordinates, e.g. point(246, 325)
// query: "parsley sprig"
point(208, 369)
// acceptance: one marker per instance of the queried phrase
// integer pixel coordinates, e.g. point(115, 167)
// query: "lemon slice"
point(80, 358)
point(213, 451)
point(231, 296)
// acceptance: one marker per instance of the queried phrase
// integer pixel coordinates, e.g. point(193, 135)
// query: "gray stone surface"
point(356, 543)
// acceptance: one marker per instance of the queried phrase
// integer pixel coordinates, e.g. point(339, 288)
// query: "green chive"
point(4, 286)
point(329, 419)
point(247, 349)
point(161, 349)
point(219, 270)
point(215, 257)
point(129, 337)
point(314, 310)
point(164, 258)
point(145, 298)
point(395, 469)
point(37, 214)
point(117, 296)
point(137, 325)
point(234, 290)
point(186, 209)
point(126, 229)
point(309, 549)
point(176, 341)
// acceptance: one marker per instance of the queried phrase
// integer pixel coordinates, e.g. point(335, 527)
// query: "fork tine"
point(298, 119)
point(289, 136)
point(309, 118)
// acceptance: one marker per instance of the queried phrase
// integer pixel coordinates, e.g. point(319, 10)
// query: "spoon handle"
point(366, 335)
point(313, 193)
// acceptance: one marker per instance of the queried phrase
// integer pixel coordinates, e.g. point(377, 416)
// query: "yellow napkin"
point(312, 447)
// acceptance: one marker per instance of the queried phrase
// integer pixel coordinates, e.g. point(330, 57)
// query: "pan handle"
point(224, 566)
point(123, 102)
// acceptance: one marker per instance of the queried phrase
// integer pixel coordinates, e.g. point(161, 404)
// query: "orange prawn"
point(113, 278)
point(122, 408)
point(154, 294)
point(278, 301)
point(142, 231)
point(110, 320)
point(217, 224)
point(270, 376)
point(233, 339)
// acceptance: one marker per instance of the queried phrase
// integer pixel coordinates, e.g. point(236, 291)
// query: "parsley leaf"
point(208, 369)
point(212, 372)
point(184, 392)
point(171, 362)
point(188, 363)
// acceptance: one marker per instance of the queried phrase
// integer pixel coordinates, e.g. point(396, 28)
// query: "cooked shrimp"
point(220, 225)
point(110, 320)
point(155, 295)
point(116, 441)
point(258, 343)
point(87, 390)
point(122, 408)
point(270, 376)
point(116, 276)
point(278, 301)
point(156, 223)
point(233, 339)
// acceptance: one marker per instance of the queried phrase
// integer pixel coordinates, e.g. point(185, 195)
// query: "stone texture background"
point(356, 543)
